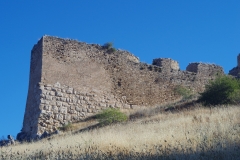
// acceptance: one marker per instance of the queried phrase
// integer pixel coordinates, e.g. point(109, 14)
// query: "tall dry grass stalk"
point(190, 134)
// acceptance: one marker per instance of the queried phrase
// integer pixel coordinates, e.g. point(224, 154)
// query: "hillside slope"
point(192, 133)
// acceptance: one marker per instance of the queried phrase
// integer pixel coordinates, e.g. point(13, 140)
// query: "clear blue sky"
point(186, 31)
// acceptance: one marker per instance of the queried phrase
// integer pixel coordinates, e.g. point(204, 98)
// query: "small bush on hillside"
point(182, 91)
point(110, 116)
point(109, 47)
point(111, 50)
point(66, 127)
point(223, 90)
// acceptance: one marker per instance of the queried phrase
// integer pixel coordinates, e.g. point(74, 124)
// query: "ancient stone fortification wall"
point(72, 80)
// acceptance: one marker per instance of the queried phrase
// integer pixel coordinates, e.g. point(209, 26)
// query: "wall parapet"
point(167, 64)
point(204, 68)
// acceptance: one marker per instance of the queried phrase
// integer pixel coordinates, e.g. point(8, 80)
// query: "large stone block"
point(55, 109)
point(63, 110)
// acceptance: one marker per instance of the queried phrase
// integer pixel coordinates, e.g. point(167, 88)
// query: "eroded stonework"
point(236, 70)
point(71, 80)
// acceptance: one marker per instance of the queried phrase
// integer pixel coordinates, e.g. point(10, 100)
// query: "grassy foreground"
point(198, 133)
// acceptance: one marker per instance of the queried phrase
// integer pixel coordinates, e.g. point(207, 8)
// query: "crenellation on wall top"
point(65, 41)
point(204, 68)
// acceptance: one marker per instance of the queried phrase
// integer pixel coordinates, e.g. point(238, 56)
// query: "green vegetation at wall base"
point(223, 90)
point(111, 115)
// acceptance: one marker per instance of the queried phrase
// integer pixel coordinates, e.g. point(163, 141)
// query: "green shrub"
point(66, 127)
point(223, 90)
point(111, 115)
point(182, 91)
point(235, 97)
point(111, 50)
point(109, 47)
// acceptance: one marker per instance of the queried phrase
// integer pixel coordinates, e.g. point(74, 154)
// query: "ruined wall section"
point(236, 70)
point(91, 67)
point(150, 85)
point(136, 82)
point(204, 72)
point(167, 64)
point(203, 69)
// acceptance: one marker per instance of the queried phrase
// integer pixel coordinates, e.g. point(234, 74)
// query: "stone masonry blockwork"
point(71, 80)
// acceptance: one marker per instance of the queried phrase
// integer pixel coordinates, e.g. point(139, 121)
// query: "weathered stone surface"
point(52, 102)
point(59, 94)
point(86, 98)
point(57, 85)
point(67, 117)
point(63, 110)
point(59, 103)
point(48, 88)
point(70, 90)
point(118, 105)
point(55, 109)
point(52, 93)
point(48, 97)
point(78, 109)
point(134, 106)
point(59, 117)
point(89, 110)
point(127, 106)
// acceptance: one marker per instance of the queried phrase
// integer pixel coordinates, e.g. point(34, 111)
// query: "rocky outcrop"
point(8, 142)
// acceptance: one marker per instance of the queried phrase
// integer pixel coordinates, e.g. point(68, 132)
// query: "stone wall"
point(71, 80)
point(204, 69)
point(32, 111)
point(238, 60)
point(61, 104)
point(236, 70)
point(167, 64)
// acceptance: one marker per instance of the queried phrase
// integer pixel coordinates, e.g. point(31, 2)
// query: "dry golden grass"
point(197, 133)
